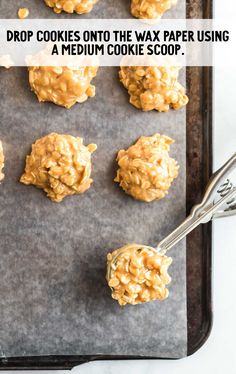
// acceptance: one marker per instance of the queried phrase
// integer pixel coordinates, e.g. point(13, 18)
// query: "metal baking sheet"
point(53, 295)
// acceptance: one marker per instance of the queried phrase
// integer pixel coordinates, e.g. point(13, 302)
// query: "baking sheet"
point(53, 294)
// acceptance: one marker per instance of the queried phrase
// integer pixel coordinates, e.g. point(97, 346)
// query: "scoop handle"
point(191, 222)
point(216, 180)
point(203, 212)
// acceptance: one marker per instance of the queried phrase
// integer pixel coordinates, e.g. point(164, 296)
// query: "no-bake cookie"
point(23, 13)
point(152, 87)
point(151, 9)
point(64, 86)
point(60, 165)
point(146, 170)
point(71, 6)
point(137, 274)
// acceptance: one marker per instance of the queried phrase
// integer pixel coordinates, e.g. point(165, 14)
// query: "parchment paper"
point(53, 295)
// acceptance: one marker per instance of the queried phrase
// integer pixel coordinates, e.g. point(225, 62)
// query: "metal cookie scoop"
point(219, 200)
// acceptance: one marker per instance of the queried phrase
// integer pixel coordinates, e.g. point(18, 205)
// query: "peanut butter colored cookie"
point(23, 13)
point(60, 165)
point(152, 87)
point(71, 6)
point(151, 9)
point(146, 170)
point(64, 86)
point(138, 275)
point(1, 162)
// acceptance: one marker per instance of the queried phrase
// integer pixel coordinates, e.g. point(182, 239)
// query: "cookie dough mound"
point(63, 86)
point(23, 13)
point(1, 162)
point(151, 9)
point(60, 165)
point(71, 6)
point(138, 274)
point(146, 170)
point(152, 87)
